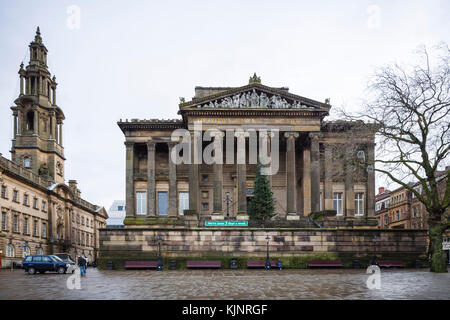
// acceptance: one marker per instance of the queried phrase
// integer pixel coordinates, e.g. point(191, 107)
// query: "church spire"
point(37, 37)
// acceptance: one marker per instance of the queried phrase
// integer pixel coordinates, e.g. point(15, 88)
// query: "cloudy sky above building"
point(134, 59)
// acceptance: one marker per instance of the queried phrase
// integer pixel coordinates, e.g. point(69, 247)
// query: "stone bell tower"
point(38, 121)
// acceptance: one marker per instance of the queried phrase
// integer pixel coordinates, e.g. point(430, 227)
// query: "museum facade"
point(313, 165)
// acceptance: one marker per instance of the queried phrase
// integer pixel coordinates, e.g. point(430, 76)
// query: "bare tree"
point(410, 107)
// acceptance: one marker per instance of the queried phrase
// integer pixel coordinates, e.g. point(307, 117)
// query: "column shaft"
point(328, 185)
point(241, 168)
point(291, 180)
point(315, 172)
point(129, 182)
point(151, 183)
point(370, 202)
point(306, 181)
point(348, 181)
point(172, 182)
point(193, 176)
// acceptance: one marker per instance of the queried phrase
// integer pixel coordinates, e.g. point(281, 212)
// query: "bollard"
point(233, 263)
point(173, 265)
point(356, 264)
point(109, 265)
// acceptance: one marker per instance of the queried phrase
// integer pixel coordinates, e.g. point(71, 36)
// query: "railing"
point(29, 175)
point(25, 173)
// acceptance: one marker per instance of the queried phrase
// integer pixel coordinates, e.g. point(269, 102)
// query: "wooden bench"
point(391, 264)
point(261, 263)
point(204, 264)
point(325, 263)
point(141, 264)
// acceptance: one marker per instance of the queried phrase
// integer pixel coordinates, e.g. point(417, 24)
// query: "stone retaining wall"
point(292, 246)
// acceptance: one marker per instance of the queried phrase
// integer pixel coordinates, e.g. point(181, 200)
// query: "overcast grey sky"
point(134, 59)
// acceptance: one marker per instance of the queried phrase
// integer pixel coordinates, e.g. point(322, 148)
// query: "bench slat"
point(203, 264)
point(391, 263)
point(324, 263)
point(140, 264)
point(261, 263)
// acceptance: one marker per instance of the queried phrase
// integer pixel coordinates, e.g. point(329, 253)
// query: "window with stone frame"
point(337, 203)
point(25, 225)
point(10, 252)
point(359, 203)
point(183, 202)
point(386, 220)
point(35, 203)
point(205, 178)
point(16, 223)
point(15, 196)
point(82, 221)
point(44, 230)
point(35, 228)
point(44, 206)
point(205, 206)
point(4, 217)
point(25, 199)
point(141, 203)
point(4, 194)
point(27, 162)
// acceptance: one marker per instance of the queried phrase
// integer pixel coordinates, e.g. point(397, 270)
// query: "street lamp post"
point(374, 259)
point(160, 263)
point(228, 200)
point(267, 266)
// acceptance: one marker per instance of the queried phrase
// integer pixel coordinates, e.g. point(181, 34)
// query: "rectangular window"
point(162, 203)
point(44, 206)
point(16, 196)
point(120, 208)
point(359, 203)
point(141, 202)
point(337, 203)
point(35, 203)
point(44, 230)
point(25, 199)
point(35, 228)
point(16, 224)
point(386, 220)
point(3, 220)
point(4, 192)
point(205, 195)
point(183, 202)
point(25, 225)
point(205, 206)
point(82, 221)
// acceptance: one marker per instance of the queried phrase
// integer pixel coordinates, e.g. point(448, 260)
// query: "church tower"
point(38, 121)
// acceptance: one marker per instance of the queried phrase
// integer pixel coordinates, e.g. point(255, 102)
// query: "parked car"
point(43, 263)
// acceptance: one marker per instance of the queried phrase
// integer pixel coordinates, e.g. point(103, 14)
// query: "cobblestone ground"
point(227, 284)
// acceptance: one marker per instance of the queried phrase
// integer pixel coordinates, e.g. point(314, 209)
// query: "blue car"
point(44, 263)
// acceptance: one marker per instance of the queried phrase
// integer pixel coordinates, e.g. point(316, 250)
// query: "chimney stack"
point(381, 190)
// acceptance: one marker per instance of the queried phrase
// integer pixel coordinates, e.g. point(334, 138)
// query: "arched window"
point(27, 162)
point(10, 253)
point(30, 120)
point(58, 168)
point(26, 251)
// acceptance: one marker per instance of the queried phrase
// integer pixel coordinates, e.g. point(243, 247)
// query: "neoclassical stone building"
point(40, 214)
point(316, 159)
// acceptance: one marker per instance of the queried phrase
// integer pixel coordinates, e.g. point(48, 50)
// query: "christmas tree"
point(262, 204)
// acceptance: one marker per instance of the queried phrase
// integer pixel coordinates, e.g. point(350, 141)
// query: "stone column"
point(348, 182)
point(306, 181)
point(15, 124)
point(193, 174)
point(172, 182)
point(315, 171)
point(328, 185)
point(291, 180)
point(36, 121)
point(151, 183)
point(61, 133)
point(241, 172)
point(129, 182)
point(370, 187)
point(21, 84)
point(218, 176)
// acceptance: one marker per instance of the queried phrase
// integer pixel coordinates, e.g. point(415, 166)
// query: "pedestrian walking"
point(82, 265)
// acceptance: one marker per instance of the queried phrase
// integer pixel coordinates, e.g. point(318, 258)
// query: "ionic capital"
point(315, 135)
point(291, 134)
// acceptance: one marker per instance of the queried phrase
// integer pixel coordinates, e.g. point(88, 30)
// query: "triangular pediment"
point(253, 96)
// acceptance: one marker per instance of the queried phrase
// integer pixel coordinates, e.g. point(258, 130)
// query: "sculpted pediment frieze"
point(254, 99)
